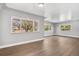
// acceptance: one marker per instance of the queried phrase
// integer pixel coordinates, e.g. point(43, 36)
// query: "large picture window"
point(23, 25)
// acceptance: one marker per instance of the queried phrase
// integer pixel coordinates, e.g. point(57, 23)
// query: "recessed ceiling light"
point(41, 4)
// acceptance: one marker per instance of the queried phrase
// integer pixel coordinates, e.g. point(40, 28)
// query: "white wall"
point(0, 23)
point(74, 32)
point(8, 37)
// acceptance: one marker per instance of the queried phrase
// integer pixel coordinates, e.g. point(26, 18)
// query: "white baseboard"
point(49, 35)
point(20, 43)
point(26, 42)
point(69, 36)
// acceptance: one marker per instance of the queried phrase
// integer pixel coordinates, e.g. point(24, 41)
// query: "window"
point(47, 26)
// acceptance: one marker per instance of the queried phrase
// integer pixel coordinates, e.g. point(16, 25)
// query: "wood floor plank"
point(50, 46)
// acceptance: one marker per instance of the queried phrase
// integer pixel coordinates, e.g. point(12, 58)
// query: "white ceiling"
point(53, 12)
point(58, 11)
point(27, 7)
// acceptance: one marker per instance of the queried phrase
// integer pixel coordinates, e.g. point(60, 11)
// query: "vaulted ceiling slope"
point(27, 7)
point(56, 8)
point(68, 10)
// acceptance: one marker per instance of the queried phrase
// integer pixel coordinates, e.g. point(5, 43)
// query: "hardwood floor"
point(51, 46)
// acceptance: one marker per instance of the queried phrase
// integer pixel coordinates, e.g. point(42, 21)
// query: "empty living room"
point(39, 29)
